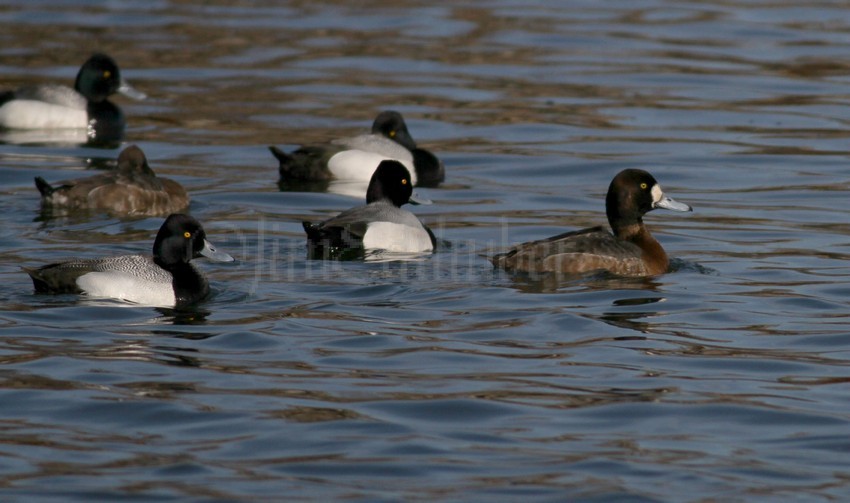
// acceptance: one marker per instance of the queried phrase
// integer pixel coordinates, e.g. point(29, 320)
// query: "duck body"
point(167, 278)
point(86, 106)
point(134, 278)
point(380, 224)
point(350, 159)
point(356, 158)
point(630, 250)
point(43, 107)
point(373, 226)
point(582, 251)
point(132, 189)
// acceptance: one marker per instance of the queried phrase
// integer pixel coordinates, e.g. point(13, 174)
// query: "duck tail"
point(280, 154)
point(6, 96)
point(501, 260)
point(283, 158)
point(38, 282)
point(54, 278)
point(313, 231)
point(43, 187)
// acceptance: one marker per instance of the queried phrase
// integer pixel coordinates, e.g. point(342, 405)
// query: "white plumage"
point(31, 114)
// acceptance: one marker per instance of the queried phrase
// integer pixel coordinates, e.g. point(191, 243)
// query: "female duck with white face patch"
point(166, 279)
point(380, 224)
point(629, 251)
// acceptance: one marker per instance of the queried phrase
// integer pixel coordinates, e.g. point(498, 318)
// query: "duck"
point(629, 251)
point(380, 224)
point(165, 279)
point(86, 106)
point(356, 158)
point(131, 189)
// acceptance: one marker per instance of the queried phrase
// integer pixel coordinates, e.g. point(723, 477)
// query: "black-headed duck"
point(86, 106)
point(168, 278)
point(356, 158)
point(380, 224)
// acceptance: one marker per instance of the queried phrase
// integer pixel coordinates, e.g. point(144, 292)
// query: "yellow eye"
point(404, 181)
point(187, 234)
point(643, 185)
point(392, 133)
point(107, 74)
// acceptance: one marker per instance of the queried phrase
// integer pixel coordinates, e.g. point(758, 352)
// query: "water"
point(443, 379)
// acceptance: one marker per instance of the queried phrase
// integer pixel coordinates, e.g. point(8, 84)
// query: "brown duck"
point(629, 251)
point(132, 188)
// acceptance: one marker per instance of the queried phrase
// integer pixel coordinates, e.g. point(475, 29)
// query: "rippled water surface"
point(443, 379)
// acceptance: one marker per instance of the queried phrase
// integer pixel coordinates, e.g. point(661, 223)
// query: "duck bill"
point(668, 203)
point(211, 253)
point(417, 199)
point(131, 92)
point(404, 139)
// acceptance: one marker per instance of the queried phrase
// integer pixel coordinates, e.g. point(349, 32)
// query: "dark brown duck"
point(629, 251)
point(130, 189)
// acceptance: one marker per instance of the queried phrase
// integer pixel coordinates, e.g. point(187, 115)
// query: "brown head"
point(632, 194)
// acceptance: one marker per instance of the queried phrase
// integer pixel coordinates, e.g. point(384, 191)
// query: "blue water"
point(443, 379)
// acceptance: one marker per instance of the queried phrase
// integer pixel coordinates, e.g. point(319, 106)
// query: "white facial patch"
point(657, 194)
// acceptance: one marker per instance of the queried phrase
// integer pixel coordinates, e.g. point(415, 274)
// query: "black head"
point(180, 239)
point(132, 160)
point(632, 194)
point(391, 124)
point(98, 78)
point(391, 181)
point(430, 171)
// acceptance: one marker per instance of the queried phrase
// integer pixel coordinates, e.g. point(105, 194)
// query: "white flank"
point(356, 189)
point(358, 165)
point(118, 285)
point(396, 238)
point(63, 136)
point(30, 114)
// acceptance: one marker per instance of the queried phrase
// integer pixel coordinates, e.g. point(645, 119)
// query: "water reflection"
point(146, 350)
point(188, 315)
point(546, 282)
point(291, 185)
point(306, 414)
point(52, 138)
point(632, 320)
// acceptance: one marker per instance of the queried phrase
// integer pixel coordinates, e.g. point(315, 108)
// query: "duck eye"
point(404, 181)
point(107, 74)
point(187, 234)
point(392, 133)
point(643, 185)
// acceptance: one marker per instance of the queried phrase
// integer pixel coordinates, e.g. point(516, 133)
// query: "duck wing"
point(123, 192)
point(306, 163)
point(575, 252)
point(72, 193)
point(376, 144)
point(54, 94)
point(61, 277)
point(344, 230)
